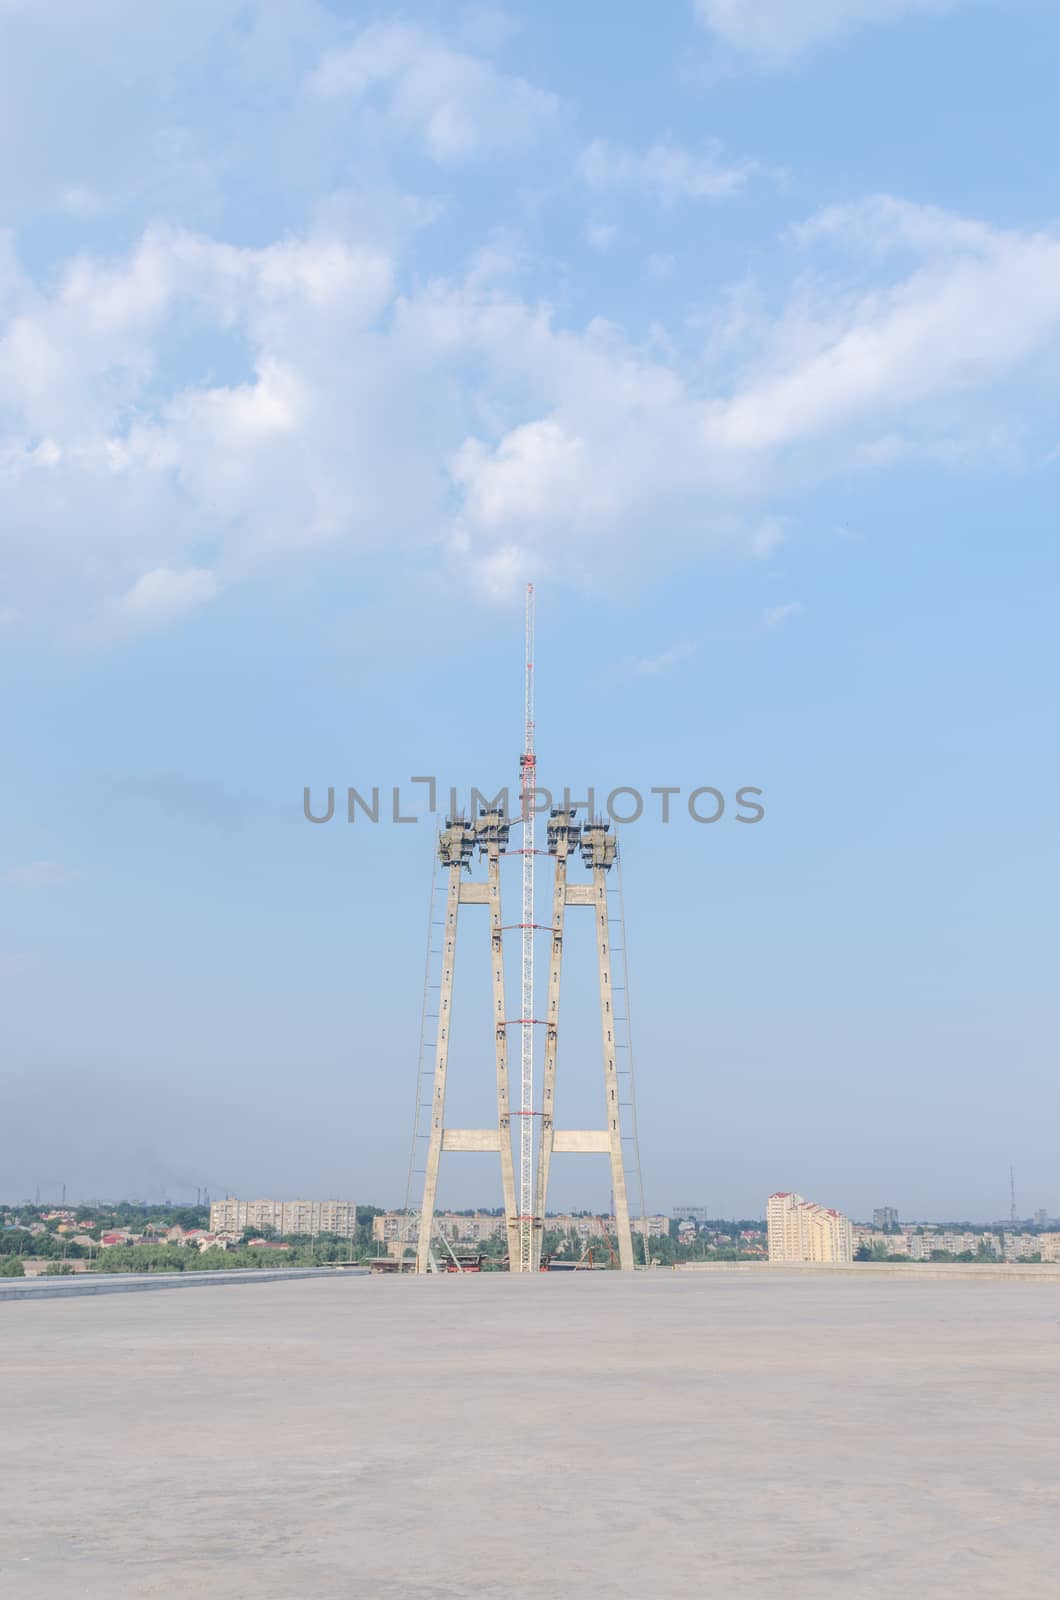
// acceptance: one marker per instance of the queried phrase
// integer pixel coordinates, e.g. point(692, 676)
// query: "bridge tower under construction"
point(464, 844)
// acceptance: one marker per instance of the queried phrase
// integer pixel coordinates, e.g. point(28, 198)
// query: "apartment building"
point(917, 1244)
point(311, 1217)
point(656, 1227)
point(889, 1244)
point(801, 1230)
point(475, 1228)
point(1021, 1246)
point(389, 1228)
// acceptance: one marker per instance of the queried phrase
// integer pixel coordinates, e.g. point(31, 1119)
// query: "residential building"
point(392, 1226)
point(954, 1242)
point(800, 1230)
point(310, 1217)
point(889, 1245)
point(885, 1217)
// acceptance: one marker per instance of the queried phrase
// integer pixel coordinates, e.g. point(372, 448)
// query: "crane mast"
point(528, 780)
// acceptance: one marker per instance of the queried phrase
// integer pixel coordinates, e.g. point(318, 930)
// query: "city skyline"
point(1041, 1219)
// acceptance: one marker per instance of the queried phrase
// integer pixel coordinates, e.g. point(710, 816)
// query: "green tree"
point(190, 1217)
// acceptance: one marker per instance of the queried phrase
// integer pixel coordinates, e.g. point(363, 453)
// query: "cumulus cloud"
point(846, 373)
point(456, 104)
point(459, 423)
point(778, 29)
point(163, 595)
point(666, 170)
point(977, 302)
point(113, 477)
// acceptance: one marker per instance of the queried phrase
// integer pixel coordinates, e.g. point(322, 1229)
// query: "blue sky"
point(323, 328)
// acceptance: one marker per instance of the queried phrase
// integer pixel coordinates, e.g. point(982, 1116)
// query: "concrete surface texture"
point(562, 1436)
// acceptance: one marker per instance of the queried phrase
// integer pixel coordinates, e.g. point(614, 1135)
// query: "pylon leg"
point(607, 1033)
point(441, 1064)
point(500, 1034)
point(456, 845)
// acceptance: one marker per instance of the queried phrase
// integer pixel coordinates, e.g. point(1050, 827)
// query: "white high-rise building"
point(799, 1230)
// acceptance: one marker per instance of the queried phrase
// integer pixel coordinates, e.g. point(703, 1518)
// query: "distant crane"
point(607, 1241)
point(587, 1253)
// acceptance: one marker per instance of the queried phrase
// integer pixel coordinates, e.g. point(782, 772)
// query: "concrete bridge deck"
point(770, 1436)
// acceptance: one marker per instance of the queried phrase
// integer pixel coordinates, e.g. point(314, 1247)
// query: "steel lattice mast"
point(528, 780)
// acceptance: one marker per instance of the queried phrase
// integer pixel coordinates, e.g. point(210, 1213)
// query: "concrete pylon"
point(563, 834)
point(598, 849)
point(456, 846)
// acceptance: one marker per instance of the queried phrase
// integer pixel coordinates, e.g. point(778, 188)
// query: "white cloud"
point(460, 423)
point(163, 596)
point(659, 265)
point(778, 29)
point(665, 170)
point(38, 875)
point(774, 617)
point(92, 437)
point(458, 105)
point(883, 225)
point(979, 302)
point(623, 447)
